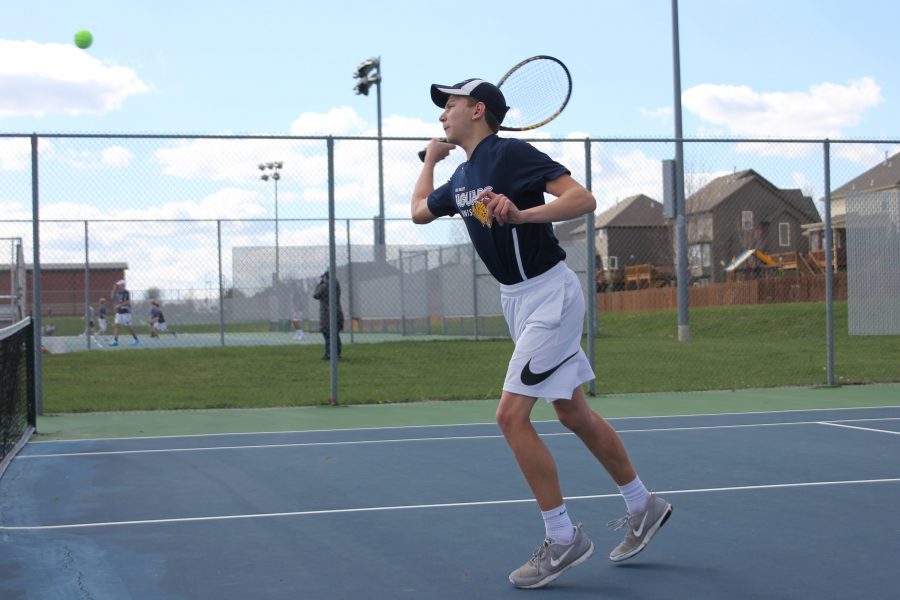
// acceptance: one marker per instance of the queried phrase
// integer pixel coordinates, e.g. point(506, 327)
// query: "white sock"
point(559, 525)
point(636, 496)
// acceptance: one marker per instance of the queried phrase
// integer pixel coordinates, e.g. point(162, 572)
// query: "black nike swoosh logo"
point(531, 378)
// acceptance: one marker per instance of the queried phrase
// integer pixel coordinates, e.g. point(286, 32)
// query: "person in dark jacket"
point(321, 294)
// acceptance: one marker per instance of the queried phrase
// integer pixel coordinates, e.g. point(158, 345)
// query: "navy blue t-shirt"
point(123, 296)
point(512, 253)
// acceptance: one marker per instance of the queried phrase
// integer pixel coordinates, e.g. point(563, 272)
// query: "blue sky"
point(762, 68)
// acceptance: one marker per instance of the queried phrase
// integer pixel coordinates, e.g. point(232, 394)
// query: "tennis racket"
point(536, 90)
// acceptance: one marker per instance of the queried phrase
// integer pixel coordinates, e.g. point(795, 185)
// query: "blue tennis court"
point(794, 504)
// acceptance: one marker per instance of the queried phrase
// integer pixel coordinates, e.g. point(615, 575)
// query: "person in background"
point(321, 294)
point(158, 322)
point(122, 304)
point(101, 317)
point(297, 324)
point(90, 325)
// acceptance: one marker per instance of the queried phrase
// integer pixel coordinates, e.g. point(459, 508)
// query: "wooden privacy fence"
point(808, 288)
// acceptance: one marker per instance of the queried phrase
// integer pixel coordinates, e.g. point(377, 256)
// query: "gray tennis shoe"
point(550, 560)
point(641, 528)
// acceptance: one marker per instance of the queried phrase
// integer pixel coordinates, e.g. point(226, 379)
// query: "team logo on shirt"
point(480, 212)
point(470, 207)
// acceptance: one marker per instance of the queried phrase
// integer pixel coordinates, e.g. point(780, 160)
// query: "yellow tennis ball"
point(84, 39)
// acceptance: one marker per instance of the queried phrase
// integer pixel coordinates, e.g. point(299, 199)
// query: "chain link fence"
point(233, 256)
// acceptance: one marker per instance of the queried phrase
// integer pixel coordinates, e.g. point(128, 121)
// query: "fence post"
point(350, 278)
point(36, 277)
point(221, 291)
point(441, 295)
point(332, 279)
point(475, 291)
point(427, 297)
point(402, 293)
point(87, 289)
point(684, 322)
point(829, 278)
point(591, 275)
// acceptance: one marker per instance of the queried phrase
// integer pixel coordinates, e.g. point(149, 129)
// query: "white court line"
point(242, 433)
point(872, 429)
point(369, 509)
point(419, 439)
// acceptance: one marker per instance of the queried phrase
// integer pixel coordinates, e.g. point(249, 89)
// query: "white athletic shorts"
point(162, 326)
point(123, 319)
point(545, 316)
point(101, 324)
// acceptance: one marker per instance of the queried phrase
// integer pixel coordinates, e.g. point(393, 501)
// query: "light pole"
point(681, 235)
point(368, 73)
point(275, 168)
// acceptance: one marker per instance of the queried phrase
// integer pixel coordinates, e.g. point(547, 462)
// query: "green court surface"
point(200, 422)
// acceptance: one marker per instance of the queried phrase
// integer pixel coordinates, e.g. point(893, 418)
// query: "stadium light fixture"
point(367, 74)
point(275, 175)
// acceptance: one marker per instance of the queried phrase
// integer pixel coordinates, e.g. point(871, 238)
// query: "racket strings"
point(536, 92)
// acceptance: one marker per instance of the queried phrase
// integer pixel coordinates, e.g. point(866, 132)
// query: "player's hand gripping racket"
point(536, 91)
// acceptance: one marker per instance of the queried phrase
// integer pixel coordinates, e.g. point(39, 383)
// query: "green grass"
point(730, 348)
point(75, 326)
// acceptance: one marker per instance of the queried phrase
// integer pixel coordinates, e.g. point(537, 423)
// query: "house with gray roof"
point(632, 232)
point(883, 177)
point(740, 211)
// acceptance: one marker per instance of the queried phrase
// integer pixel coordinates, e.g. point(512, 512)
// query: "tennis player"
point(499, 192)
point(101, 317)
point(122, 304)
point(158, 322)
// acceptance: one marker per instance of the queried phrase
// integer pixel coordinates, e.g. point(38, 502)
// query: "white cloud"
point(175, 242)
point(345, 121)
point(66, 210)
point(398, 126)
point(15, 154)
point(824, 110)
point(59, 78)
point(864, 154)
point(226, 203)
point(803, 183)
point(341, 120)
point(664, 113)
point(237, 160)
point(116, 156)
point(620, 174)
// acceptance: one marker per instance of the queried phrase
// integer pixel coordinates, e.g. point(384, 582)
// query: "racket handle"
point(422, 152)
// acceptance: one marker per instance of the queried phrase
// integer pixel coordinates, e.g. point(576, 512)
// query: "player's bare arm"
point(435, 152)
point(572, 200)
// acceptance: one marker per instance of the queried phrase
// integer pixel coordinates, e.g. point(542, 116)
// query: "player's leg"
point(598, 435)
point(115, 341)
point(647, 512)
point(327, 355)
point(565, 545)
point(532, 455)
point(129, 323)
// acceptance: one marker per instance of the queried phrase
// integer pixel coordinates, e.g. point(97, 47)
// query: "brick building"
point(63, 285)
